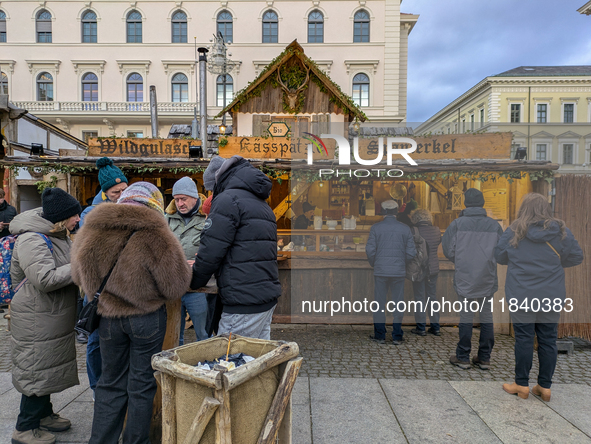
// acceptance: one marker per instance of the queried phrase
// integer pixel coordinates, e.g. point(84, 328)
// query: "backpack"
point(6, 249)
point(418, 268)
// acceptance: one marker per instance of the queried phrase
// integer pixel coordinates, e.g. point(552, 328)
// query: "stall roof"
point(295, 50)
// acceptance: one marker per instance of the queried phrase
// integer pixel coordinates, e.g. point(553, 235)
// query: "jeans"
point(487, 333)
point(545, 327)
point(426, 290)
point(254, 325)
point(127, 382)
point(33, 410)
point(383, 284)
point(93, 357)
point(196, 305)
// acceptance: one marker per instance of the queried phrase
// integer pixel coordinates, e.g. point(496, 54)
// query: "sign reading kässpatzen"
point(111, 147)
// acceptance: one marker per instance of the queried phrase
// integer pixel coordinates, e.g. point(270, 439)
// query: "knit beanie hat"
point(206, 208)
point(143, 193)
point(185, 186)
point(209, 175)
point(109, 175)
point(473, 198)
point(59, 205)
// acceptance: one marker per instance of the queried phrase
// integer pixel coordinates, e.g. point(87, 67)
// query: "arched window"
point(45, 87)
point(43, 25)
point(89, 27)
point(315, 27)
point(225, 90)
point(90, 87)
point(2, 27)
point(180, 88)
point(179, 27)
point(225, 26)
point(270, 27)
point(135, 88)
point(361, 90)
point(361, 26)
point(134, 27)
point(4, 84)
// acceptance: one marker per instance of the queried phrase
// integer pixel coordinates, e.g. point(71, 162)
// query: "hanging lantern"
point(457, 198)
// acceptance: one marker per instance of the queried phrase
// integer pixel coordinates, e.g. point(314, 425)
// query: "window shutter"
point(44, 26)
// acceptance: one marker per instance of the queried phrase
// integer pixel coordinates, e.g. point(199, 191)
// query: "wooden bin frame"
point(167, 370)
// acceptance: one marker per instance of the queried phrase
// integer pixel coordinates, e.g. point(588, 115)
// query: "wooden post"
point(278, 406)
point(223, 419)
point(206, 411)
point(168, 409)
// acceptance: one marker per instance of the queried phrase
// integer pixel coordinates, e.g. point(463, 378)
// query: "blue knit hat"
point(109, 175)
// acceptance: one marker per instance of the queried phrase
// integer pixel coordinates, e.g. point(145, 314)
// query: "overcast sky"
point(457, 43)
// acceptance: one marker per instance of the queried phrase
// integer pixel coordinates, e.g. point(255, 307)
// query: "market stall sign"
point(278, 147)
point(112, 147)
point(278, 129)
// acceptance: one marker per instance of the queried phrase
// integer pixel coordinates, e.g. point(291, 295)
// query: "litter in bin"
point(237, 359)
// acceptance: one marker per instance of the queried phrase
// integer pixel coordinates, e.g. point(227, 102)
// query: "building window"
point(567, 153)
point(225, 85)
point(448, 130)
point(135, 88)
point(134, 27)
point(542, 113)
point(569, 112)
point(541, 151)
point(481, 117)
point(515, 112)
point(89, 27)
point(88, 135)
point(361, 26)
point(361, 90)
point(472, 122)
point(225, 26)
point(2, 27)
point(315, 27)
point(180, 88)
point(45, 87)
point(4, 84)
point(135, 134)
point(270, 27)
point(514, 147)
point(90, 87)
point(43, 24)
point(179, 27)
point(463, 125)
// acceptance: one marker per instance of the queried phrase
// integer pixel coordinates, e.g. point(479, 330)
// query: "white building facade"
point(88, 66)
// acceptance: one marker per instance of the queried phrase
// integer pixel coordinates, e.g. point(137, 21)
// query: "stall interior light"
point(222, 129)
point(356, 125)
point(321, 184)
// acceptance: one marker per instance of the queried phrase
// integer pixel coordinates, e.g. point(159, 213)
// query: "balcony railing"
point(106, 107)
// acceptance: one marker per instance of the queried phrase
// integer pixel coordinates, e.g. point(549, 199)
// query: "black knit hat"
point(59, 205)
point(473, 198)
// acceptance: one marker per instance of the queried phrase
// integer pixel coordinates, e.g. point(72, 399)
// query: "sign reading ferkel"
point(175, 148)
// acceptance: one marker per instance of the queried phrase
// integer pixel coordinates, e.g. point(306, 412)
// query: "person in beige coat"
point(149, 268)
point(43, 314)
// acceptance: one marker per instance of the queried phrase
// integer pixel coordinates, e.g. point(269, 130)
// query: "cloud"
point(457, 43)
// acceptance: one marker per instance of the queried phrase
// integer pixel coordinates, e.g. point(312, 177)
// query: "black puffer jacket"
point(239, 241)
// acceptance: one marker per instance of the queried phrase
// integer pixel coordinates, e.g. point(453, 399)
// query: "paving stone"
point(80, 414)
point(516, 420)
point(9, 404)
point(301, 415)
point(572, 403)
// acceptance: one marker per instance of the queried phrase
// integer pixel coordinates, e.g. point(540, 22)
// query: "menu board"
point(496, 202)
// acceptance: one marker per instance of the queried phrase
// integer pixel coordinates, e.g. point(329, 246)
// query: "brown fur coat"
point(151, 268)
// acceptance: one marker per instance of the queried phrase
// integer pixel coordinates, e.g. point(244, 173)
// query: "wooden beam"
point(299, 189)
point(437, 187)
point(206, 411)
point(168, 408)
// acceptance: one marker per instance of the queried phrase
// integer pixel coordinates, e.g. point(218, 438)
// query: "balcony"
point(105, 107)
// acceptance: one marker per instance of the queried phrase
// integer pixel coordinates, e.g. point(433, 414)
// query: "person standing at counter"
point(389, 247)
point(469, 242)
point(239, 245)
point(303, 221)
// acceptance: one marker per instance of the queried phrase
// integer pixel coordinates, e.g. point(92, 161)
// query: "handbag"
point(89, 319)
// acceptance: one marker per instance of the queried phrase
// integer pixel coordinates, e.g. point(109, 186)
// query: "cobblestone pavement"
point(345, 351)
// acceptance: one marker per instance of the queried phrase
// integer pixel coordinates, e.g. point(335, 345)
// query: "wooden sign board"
point(277, 148)
point(112, 147)
point(449, 146)
point(278, 129)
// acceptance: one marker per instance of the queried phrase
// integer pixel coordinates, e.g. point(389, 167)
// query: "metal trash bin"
point(250, 404)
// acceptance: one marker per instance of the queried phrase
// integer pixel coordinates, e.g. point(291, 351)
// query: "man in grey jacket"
point(389, 247)
point(186, 222)
point(469, 242)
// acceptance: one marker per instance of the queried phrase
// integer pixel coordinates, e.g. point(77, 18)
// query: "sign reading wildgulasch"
point(112, 147)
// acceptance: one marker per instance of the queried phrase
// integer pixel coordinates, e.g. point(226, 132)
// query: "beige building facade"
point(87, 65)
point(547, 108)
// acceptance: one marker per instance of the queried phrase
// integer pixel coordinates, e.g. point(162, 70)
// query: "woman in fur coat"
point(148, 268)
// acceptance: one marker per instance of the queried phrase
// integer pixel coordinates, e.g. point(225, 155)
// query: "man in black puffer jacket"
point(239, 246)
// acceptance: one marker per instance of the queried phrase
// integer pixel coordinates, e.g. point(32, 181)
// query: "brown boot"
point(519, 390)
point(55, 423)
point(541, 392)
point(35, 436)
